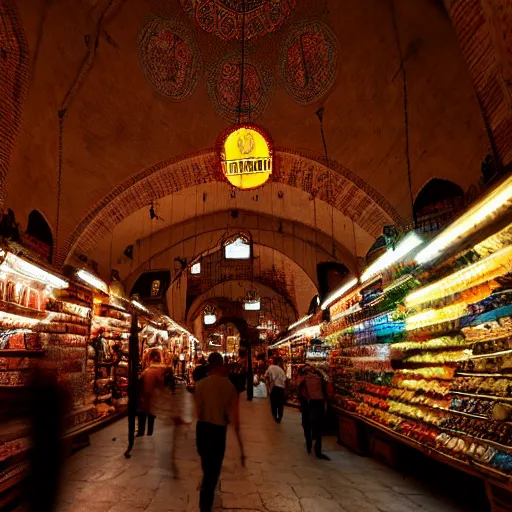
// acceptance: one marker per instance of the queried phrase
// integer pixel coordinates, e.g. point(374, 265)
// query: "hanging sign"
point(246, 157)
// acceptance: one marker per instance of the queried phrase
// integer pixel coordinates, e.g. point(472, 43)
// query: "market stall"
point(45, 324)
point(422, 348)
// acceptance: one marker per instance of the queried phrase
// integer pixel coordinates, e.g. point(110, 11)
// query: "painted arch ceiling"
point(164, 80)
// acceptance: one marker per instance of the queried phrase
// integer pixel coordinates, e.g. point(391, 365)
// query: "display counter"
point(423, 349)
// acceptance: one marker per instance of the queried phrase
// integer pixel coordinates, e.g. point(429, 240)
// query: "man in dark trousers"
point(217, 404)
point(276, 382)
point(313, 393)
point(150, 380)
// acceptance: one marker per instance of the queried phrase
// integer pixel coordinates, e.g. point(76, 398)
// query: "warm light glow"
point(299, 322)
point(92, 280)
point(140, 306)
point(15, 264)
point(469, 222)
point(239, 249)
point(435, 316)
point(339, 293)
point(246, 159)
point(252, 306)
point(390, 257)
point(308, 332)
point(492, 266)
point(195, 268)
point(209, 319)
point(18, 320)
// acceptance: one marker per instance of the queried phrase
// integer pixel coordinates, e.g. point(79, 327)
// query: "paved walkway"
point(279, 475)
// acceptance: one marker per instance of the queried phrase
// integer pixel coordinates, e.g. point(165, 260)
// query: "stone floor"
point(279, 475)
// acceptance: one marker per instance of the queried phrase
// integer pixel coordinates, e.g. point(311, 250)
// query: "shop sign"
point(246, 157)
point(339, 307)
point(316, 355)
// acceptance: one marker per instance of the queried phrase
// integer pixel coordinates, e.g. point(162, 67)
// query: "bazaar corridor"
point(279, 475)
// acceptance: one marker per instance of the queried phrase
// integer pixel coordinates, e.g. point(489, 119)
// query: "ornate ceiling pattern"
point(224, 89)
point(169, 57)
point(309, 61)
point(225, 18)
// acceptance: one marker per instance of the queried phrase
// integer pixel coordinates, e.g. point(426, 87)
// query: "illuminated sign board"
point(246, 157)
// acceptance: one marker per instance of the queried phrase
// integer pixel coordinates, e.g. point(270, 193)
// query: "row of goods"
point(422, 345)
point(78, 331)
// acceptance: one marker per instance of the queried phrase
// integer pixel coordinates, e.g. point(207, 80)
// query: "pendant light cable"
point(320, 115)
point(406, 105)
point(242, 65)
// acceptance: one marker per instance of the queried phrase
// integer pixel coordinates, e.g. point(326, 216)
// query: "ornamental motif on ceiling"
point(224, 89)
point(309, 61)
point(224, 18)
point(169, 57)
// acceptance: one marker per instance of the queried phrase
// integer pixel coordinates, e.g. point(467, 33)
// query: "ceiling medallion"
point(224, 89)
point(245, 153)
point(309, 61)
point(169, 57)
point(225, 17)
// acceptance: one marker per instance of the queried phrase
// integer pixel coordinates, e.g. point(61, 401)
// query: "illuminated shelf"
point(502, 447)
point(23, 311)
point(487, 397)
point(467, 414)
point(470, 374)
point(482, 271)
point(494, 354)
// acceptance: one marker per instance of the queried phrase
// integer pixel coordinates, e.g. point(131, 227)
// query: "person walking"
point(150, 380)
point(276, 382)
point(313, 395)
point(217, 405)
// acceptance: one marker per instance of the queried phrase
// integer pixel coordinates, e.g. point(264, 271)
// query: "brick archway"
point(336, 185)
point(13, 83)
point(211, 295)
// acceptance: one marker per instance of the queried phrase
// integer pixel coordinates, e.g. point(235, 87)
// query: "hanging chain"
point(61, 114)
point(406, 106)
point(242, 66)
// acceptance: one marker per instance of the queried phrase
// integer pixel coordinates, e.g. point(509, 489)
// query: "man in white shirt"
point(276, 381)
point(217, 405)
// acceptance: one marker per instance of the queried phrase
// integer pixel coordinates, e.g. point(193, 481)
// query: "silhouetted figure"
point(48, 408)
point(217, 404)
point(150, 380)
point(313, 395)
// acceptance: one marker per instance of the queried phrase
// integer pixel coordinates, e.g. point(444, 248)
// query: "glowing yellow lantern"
point(246, 158)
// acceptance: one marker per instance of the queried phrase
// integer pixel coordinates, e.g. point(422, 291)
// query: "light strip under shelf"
point(13, 263)
point(92, 280)
point(494, 265)
point(140, 306)
point(435, 316)
point(299, 322)
point(339, 293)
point(410, 242)
point(468, 222)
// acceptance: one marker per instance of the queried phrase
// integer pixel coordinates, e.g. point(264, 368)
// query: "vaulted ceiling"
point(122, 102)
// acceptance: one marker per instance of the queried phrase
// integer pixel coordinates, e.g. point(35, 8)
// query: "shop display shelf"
point(23, 311)
point(494, 354)
point(476, 374)
point(486, 397)
point(494, 444)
